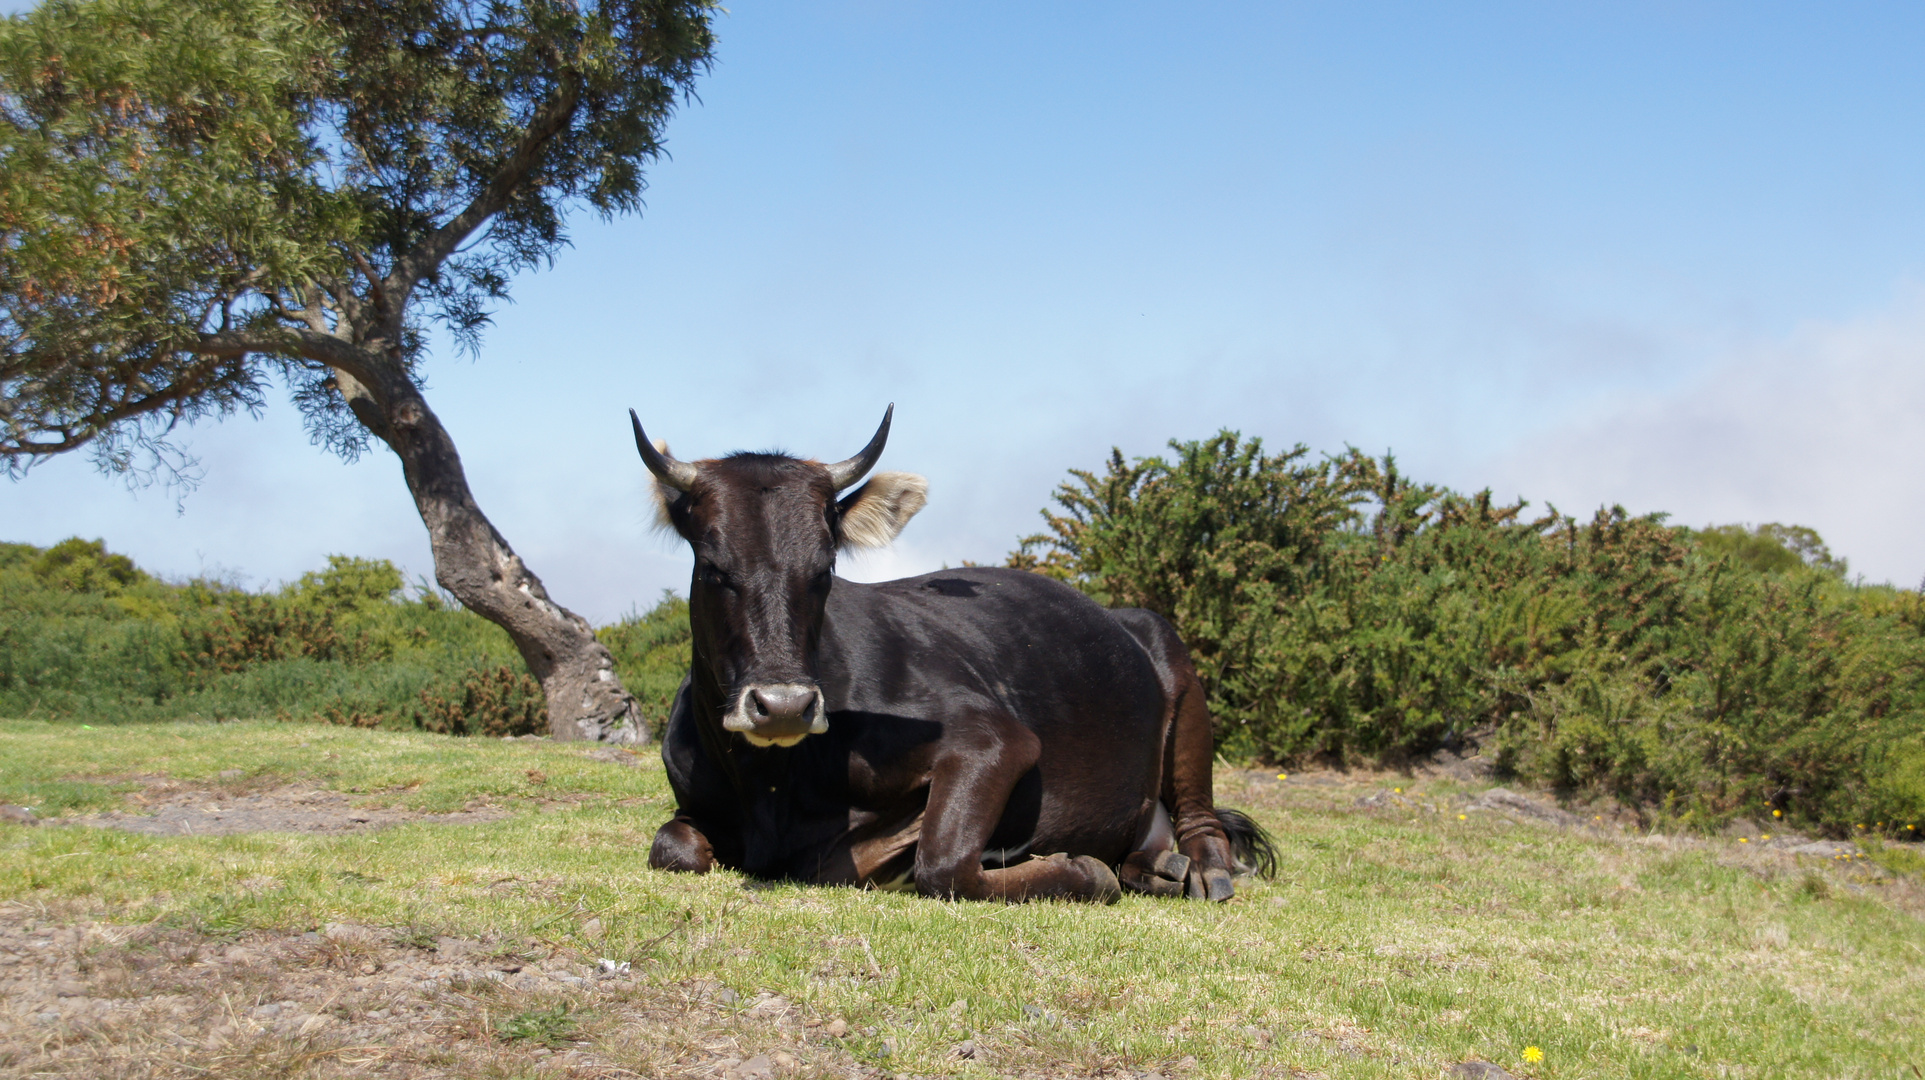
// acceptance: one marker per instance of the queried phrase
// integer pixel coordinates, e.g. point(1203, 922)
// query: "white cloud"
point(1825, 428)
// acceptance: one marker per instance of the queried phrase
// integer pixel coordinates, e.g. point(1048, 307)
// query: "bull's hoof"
point(1171, 864)
point(1211, 884)
point(1137, 879)
point(1104, 888)
point(1217, 884)
point(1157, 873)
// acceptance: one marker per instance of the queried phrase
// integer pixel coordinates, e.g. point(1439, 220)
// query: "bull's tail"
point(1251, 846)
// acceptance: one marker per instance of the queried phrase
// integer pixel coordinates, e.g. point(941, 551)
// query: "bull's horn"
point(679, 475)
point(845, 473)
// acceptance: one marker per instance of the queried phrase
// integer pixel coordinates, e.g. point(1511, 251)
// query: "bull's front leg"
point(680, 845)
point(967, 795)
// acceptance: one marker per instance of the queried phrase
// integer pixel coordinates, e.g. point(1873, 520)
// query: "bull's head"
point(766, 529)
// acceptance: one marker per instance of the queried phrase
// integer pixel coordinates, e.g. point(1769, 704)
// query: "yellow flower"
point(1777, 813)
point(1744, 839)
point(1283, 776)
point(1463, 817)
point(1766, 836)
point(1533, 1055)
point(1399, 790)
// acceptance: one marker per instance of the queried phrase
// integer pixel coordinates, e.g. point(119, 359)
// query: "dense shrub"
point(499, 702)
point(1336, 609)
point(86, 635)
point(651, 651)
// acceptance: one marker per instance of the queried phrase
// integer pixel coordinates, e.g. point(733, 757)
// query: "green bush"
point(1338, 610)
point(496, 702)
point(86, 635)
point(651, 651)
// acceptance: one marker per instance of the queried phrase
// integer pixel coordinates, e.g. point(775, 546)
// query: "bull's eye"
point(713, 575)
point(821, 580)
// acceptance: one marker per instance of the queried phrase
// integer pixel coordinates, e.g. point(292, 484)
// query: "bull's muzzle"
point(777, 714)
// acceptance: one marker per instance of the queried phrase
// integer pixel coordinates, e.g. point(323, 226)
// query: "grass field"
point(1398, 937)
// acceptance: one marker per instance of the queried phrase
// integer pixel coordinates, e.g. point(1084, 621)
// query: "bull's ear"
point(873, 514)
point(664, 495)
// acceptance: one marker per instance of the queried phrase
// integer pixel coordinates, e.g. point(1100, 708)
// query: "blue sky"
point(1665, 255)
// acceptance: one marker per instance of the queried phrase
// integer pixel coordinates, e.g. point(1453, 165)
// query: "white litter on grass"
point(612, 967)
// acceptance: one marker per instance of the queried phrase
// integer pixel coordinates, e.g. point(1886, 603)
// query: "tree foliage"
point(199, 196)
point(1337, 609)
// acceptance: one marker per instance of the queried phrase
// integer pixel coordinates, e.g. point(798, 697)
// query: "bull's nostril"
point(761, 706)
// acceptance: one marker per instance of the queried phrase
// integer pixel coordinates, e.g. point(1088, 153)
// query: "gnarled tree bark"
point(474, 562)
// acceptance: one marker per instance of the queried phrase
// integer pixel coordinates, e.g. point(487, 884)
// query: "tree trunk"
point(471, 560)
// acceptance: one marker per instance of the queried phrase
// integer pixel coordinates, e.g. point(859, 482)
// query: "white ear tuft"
point(876, 513)
point(663, 493)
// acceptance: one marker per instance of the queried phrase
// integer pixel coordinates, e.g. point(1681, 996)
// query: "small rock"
point(727, 996)
point(758, 1067)
point(18, 815)
point(70, 989)
point(1151, 1075)
point(965, 1049)
point(1510, 802)
point(1477, 1070)
point(592, 928)
point(48, 1017)
point(262, 1012)
point(771, 1005)
point(232, 774)
point(1826, 849)
point(838, 1028)
point(784, 1062)
point(368, 968)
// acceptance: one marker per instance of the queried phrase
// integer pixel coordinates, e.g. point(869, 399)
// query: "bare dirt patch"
point(166, 807)
point(80, 997)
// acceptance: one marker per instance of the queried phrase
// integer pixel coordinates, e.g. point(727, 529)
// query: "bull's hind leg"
point(1188, 750)
point(968, 791)
point(1187, 790)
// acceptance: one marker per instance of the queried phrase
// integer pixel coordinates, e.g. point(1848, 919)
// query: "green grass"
point(1390, 943)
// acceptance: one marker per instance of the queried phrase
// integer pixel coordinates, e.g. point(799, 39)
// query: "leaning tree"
point(201, 197)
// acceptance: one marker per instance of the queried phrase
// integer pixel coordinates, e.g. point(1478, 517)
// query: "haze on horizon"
point(1670, 256)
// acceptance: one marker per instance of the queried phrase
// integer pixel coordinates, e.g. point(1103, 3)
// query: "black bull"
point(975, 733)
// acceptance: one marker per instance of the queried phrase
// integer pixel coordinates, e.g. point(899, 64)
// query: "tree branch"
point(548, 121)
point(368, 366)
